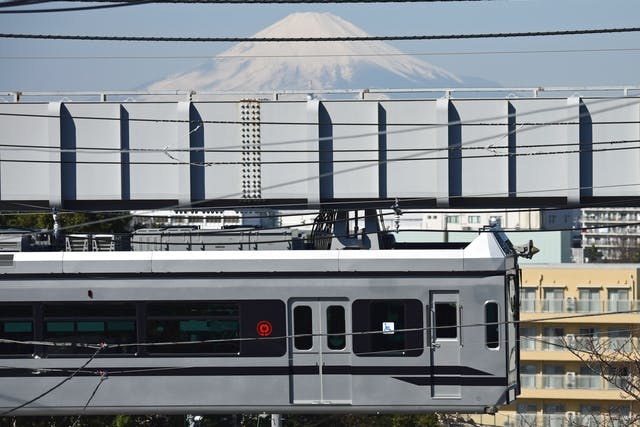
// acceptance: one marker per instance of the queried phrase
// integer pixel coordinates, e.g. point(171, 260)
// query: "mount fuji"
point(251, 66)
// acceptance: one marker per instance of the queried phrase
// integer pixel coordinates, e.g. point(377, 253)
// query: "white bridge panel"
point(344, 126)
point(542, 166)
point(481, 164)
point(295, 143)
point(93, 170)
point(220, 175)
point(151, 126)
point(610, 142)
point(24, 138)
point(411, 148)
point(484, 153)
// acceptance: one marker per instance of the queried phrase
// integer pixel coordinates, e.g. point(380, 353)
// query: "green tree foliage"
point(69, 222)
point(349, 420)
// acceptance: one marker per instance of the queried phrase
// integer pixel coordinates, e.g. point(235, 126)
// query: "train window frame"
point(303, 327)
point(371, 333)
point(151, 316)
point(22, 318)
point(444, 328)
point(81, 320)
point(492, 326)
point(336, 331)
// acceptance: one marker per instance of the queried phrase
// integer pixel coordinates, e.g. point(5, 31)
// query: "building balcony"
point(580, 343)
point(574, 305)
point(571, 381)
point(566, 419)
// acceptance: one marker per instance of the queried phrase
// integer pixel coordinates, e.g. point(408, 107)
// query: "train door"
point(320, 347)
point(446, 340)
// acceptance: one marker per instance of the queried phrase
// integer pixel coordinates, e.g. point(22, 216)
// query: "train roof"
point(487, 252)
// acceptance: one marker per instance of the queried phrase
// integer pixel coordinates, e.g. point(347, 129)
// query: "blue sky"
point(509, 70)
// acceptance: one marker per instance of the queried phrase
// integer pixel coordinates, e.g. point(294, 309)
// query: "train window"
point(89, 323)
point(336, 339)
point(199, 327)
point(387, 328)
point(446, 317)
point(492, 332)
point(302, 327)
point(16, 324)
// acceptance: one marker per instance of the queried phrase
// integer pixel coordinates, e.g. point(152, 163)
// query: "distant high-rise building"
point(618, 239)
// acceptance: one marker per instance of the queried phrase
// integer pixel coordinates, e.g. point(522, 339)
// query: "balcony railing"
point(580, 343)
point(572, 305)
point(567, 419)
point(571, 382)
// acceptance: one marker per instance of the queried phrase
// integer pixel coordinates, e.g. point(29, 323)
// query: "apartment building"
point(619, 240)
point(583, 306)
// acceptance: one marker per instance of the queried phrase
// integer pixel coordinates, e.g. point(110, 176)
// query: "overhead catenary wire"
point(321, 39)
point(51, 389)
point(284, 56)
point(176, 161)
point(215, 57)
point(4, 11)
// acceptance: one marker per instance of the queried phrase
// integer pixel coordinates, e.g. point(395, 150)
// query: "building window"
point(618, 299)
point(528, 376)
point(528, 300)
point(553, 300)
point(553, 376)
point(553, 339)
point(589, 300)
point(453, 219)
point(473, 219)
point(588, 338)
point(619, 339)
point(526, 415)
point(589, 379)
point(528, 338)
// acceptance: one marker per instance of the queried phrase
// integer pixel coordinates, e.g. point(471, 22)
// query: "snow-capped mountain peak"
point(262, 66)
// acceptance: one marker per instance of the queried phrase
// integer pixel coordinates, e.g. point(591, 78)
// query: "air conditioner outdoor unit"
point(570, 380)
point(570, 340)
point(571, 304)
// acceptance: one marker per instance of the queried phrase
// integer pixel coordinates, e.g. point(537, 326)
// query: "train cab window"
point(446, 320)
point(492, 331)
point(302, 327)
point(199, 326)
point(89, 323)
point(336, 339)
point(16, 324)
point(387, 328)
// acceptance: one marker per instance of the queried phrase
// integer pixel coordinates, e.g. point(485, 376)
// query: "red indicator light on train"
point(264, 328)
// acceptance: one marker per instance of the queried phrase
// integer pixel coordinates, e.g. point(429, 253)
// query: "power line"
point(70, 9)
point(50, 390)
point(320, 55)
point(320, 39)
point(176, 162)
